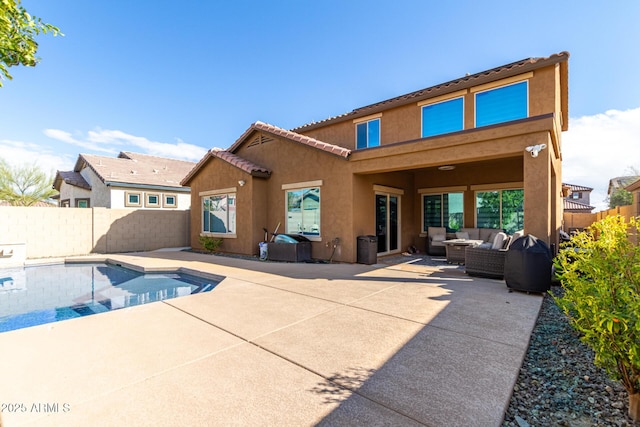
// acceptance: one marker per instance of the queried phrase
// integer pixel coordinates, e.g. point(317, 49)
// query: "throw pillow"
point(498, 242)
point(462, 235)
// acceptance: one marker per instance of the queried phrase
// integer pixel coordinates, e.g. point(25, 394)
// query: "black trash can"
point(527, 266)
point(367, 249)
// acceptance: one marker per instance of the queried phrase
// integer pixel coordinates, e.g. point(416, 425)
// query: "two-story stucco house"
point(129, 181)
point(483, 150)
point(578, 198)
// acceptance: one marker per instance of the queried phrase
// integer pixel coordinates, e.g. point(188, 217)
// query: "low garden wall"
point(56, 232)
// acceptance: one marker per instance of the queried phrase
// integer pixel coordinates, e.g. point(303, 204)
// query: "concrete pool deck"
point(278, 344)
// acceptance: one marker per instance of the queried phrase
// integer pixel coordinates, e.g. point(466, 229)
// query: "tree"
point(24, 185)
point(600, 273)
point(620, 197)
point(18, 30)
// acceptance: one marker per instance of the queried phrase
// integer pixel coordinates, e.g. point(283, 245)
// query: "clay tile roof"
point(243, 164)
point(71, 178)
point(577, 206)
point(136, 168)
point(574, 187)
point(292, 136)
point(504, 71)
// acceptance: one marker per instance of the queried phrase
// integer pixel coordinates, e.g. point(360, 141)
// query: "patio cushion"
point(462, 235)
point(474, 233)
point(499, 240)
point(515, 236)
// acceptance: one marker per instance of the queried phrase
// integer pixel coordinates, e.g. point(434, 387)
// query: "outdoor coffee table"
point(455, 249)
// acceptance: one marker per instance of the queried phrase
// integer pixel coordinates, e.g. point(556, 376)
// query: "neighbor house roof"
point(71, 178)
point(575, 188)
point(570, 205)
point(633, 186)
point(135, 169)
point(504, 71)
point(230, 157)
point(621, 182)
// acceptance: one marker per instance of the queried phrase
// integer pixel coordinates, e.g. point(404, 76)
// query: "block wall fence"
point(56, 232)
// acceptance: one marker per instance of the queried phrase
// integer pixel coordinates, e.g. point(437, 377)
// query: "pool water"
point(37, 295)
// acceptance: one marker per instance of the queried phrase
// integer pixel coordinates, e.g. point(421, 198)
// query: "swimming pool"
point(37, 295)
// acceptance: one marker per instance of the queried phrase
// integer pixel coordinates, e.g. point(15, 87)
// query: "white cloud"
point(600, 147)
point(20, 153)
point(114, 141)
point(64, 136)
point(177, 150)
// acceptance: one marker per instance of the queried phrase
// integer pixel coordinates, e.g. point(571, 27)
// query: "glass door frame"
point(388, 193)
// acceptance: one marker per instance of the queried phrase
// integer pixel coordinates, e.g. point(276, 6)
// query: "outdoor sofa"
point(488, 261)
point(437, 235)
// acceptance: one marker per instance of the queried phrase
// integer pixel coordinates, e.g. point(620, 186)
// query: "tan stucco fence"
point(51, 232)
point(583, 220)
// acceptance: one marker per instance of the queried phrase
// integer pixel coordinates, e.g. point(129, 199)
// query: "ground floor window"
point(82, 203)
point(303, 211)
point(219, 213)
point(500, 209)
point(443, 210)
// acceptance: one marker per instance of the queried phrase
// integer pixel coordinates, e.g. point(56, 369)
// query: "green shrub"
point(211, 244)
point(600, 273)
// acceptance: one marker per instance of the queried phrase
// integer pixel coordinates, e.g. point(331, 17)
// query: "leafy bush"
point(211, 244)
point(600, 273)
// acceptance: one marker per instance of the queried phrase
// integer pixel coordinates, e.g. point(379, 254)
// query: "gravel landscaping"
point(558, 383)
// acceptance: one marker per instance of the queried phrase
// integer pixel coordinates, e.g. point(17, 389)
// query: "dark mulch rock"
point(558, 384)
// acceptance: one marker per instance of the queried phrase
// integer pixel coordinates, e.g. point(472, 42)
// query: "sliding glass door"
point(387, 222)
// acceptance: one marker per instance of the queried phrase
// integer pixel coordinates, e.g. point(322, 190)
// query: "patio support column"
point(537, 195)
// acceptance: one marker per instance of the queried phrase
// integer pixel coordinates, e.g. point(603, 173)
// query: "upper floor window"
point(303, 211)
point(576, 195)
point(219, 213)
point(502, 104)
point(443, 117)
point(368, 134)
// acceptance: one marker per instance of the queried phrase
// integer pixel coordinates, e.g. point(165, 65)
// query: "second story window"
point(502, 104)
point(442, 117)
point(368, 134)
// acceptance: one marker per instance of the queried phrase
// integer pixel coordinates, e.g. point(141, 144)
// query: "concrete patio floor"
point(278, 344)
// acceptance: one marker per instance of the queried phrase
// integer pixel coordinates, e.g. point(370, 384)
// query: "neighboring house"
point(483, 150)
point(621, 182)
point(578, 199)
point(131, 180)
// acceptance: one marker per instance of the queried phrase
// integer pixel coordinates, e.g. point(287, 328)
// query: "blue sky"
point(175, 78)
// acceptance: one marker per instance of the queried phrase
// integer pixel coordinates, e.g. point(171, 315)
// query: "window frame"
point(494, 89)
point(501, 213)
point(127, 199)
point(302, 187)
point(441, 102)
point(366, 122)
point(147, 200)
point(442, 222)
point(85, 199)
point(166, 204)
point(231, 214)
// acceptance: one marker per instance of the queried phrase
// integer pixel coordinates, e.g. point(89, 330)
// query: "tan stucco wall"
point(51, 232)
point(404, 123)
point(488, 156)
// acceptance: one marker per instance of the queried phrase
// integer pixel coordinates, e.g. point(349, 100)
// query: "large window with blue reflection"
point(443, 117)
point(502, 104)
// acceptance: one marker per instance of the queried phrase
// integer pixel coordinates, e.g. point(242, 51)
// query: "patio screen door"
point(387, 222)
